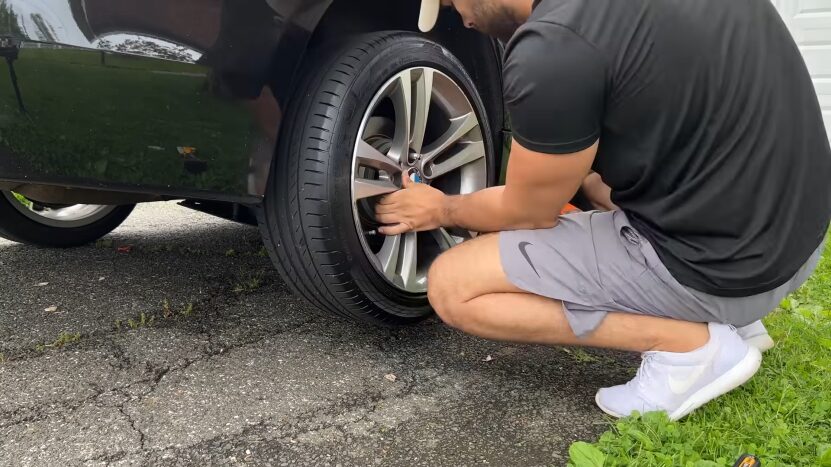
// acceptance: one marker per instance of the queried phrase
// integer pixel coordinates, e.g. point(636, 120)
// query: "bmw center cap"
point(414, 175)
point(429, 14)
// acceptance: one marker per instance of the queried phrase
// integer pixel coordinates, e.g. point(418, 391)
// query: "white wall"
point(810, 24)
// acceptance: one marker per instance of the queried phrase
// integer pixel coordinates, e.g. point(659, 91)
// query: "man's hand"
point(598, 193)
point(418, 207)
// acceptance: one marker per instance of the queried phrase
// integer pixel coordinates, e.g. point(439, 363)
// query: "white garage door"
point(810, 23)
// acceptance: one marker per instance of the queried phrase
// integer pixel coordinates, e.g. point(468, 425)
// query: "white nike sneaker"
point(679, 383)
point(756, 334)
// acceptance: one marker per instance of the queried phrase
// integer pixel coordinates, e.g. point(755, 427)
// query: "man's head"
point(498, 18)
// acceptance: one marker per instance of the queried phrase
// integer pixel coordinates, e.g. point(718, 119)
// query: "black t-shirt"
point(711, 135)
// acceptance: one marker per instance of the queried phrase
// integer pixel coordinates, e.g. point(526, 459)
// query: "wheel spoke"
point(402, 101)
point(444, 239)
point(389, 256)
point(470, 152)
point(459, 127)
point(409, 259)
point(421, 108)
point(364, 188)
point(368, 156)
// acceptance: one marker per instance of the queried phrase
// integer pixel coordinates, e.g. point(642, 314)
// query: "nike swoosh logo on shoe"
point(682, 386)
point(522, 249)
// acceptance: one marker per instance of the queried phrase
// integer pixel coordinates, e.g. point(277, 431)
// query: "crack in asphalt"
point(368, 402)
point(132, 423)
point(306, 422)
point(108, 458)
point(13, 418)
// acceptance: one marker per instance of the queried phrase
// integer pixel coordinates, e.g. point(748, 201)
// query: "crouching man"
point(696, 124)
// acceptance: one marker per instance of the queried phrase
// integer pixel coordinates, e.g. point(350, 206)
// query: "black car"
point(295, 115)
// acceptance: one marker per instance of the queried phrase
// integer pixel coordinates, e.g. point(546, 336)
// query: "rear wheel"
point(50, 225)
point(377, 108)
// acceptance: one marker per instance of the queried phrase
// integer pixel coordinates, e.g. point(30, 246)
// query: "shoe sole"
point(763, 342)
point(733, 378)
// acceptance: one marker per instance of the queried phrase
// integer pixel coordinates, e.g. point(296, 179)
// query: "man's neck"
point(522, 9)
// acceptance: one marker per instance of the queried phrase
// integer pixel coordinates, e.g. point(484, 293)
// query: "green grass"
point(783, 415)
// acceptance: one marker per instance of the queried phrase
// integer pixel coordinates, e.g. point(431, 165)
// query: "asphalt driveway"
point(173, 341)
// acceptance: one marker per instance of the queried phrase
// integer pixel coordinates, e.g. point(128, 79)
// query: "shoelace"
point(643, 373)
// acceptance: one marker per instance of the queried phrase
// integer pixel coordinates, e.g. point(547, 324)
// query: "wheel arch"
point(480, 55)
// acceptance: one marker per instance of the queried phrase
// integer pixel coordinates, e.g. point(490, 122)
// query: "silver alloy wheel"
point(420, 124)
point(65, 217)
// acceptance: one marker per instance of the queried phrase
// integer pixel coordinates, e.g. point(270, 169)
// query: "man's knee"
point(441, 290)
point(461, 274)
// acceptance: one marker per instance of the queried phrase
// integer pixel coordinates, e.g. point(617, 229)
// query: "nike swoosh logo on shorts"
point(522, 247)
point(682, 386)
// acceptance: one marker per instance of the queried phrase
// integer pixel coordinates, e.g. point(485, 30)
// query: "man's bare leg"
point(693, 363)
point(470, 291)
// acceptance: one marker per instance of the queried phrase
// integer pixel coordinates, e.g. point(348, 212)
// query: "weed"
point(187, 311)
point(104, 243)
point(579, 355)
point(63, 339)
point(167, 312)
point(248, 282)
point(2, 358)
point(230, 252)
point(142, 321)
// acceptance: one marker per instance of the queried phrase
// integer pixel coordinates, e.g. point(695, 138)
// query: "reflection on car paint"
point(156, 103)
point(109, 90)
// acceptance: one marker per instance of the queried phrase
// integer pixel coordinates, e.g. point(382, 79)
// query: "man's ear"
point(429, 14)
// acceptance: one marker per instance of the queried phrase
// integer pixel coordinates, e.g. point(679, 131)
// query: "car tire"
point(307, 217)
point(22, 226)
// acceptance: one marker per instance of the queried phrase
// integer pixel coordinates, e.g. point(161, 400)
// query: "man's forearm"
point(538, 186)
point(488, 211)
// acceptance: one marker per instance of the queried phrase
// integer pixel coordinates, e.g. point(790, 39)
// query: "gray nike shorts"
point(596, 263)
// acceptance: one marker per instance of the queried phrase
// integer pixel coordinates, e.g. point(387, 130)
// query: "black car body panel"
point(148, 93)
point(181, 98)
